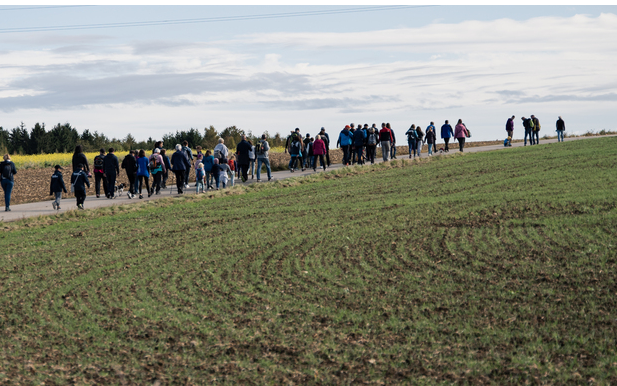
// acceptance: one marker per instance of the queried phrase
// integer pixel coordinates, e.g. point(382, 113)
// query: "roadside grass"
point(493, 267)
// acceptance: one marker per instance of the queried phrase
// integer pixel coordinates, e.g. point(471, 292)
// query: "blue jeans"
point(559, 135)
point(217, 180)
point(209, 180)
point(430, 149)
point(293, 159)
point(536, 135)
point(419, 147)
point(266, 162)
point(528, 133)
point(359, 154)
point(412, 147)
point(393, 151)
point(200, 184)
point(7, 186)
point(58, 196)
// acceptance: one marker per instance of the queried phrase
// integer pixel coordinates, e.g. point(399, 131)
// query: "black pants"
point(97, 183)
point(346, 154)
point(180, 180)
point(370, 153)
point(328, 156)
point(131, 183)
point(461, 143)
point(243, 169)
point(447, 140)
point(186, 176)
point(321, 161)
point(156, 184)
point(434, 147)
point(165, 178)
point(143, 179)
point(111, 184)
point(80, 195)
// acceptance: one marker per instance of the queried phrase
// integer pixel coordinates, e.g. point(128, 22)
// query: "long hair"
point(78, 149)
point(142, 153)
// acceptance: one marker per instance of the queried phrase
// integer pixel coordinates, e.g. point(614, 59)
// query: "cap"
point(58, 167)
point(308, 135)
point(347, 127)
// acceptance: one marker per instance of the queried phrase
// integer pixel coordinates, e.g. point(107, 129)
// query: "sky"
point(308, 67)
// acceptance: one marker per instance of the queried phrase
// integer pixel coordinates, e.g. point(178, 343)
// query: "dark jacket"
point(129, 164)
point(325, 140)
point(110, 164)
point(430, 136)
point(179, 161)
point(243, 149)
point(57, 183)
point(167, 163)
point(561, 125)
point(510, 124)
point(11, 166)
point(80, 159)
point(358, 138)
point(385, 135)
point(80, 180)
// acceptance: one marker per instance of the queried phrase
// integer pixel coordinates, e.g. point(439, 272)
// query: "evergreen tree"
point(37, 139)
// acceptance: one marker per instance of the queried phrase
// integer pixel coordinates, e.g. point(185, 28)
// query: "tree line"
point(63, 138)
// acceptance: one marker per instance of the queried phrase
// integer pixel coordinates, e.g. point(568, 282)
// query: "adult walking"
point(252, 159)
point(536, 129)
point(446, 134)
point(372, 138)
point(157, 168)
point(420, 139)
point(561, 127)
point(432, 127)
point(412, 138)
point(460, 133)
point(358, 141)
point(528, 126)
point(242, 152)
point(393, 144)
point(143, 174)
point(319, 150)
point(510, 127)
point(167, 168)
point(79, 180)
point(345, 139)
point(112, 169)
point(430, 139)
point(325, 137)
point(79, 158)
point(385, 139)
point(7, 170)
point(129, 164)
point(179, 165)
point(189, 156)
point(261, 152)
point(220, 151)
point(99, 173)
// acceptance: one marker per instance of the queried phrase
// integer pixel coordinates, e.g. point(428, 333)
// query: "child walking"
point(79, 180)
point(223, 174)
point(216, 172)
point(232, 167)
point(56, 187)
point(199, 177)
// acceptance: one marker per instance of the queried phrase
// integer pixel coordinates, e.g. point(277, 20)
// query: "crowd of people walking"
point(219, 167)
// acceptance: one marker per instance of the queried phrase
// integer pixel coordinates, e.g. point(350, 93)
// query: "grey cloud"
point(347, 104)
point(609, 97)
point(71, 91)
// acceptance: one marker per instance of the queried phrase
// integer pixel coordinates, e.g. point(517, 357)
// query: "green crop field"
point(494, 267)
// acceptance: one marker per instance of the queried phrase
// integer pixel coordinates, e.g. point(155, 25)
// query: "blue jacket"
point(358, 138)
point(80, 180)
point(446, 131)
point(208, 162)
point(142, 166)
point(345, 138)
point(57, 183)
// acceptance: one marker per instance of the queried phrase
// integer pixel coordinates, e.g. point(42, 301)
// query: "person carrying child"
point(79, 180)
point(56, 187)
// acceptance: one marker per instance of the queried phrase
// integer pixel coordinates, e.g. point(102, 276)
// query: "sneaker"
point(291, 170)
point(141, 196)
point(149, 194)
point(258, 180)
point(53, 203)
point(98, 195)
point(128, 194)
point(80, 206)
point(269, 178)
point(58, 208)
point(314, 169)
point(303, 169)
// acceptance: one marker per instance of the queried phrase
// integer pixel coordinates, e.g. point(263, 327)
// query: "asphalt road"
point(43, 208)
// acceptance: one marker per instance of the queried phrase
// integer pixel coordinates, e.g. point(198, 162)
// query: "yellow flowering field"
point(50, 160)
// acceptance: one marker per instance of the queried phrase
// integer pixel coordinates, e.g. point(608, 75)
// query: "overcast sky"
point(406, 65)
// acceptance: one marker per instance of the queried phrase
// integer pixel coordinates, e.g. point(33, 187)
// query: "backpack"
point(530, 123)
point(154, 163)
point(189, 154)
point(372, 137)
point(412, 135)
point(6, 171)
point(199, 173)
point(98, 162)
point(294, 148)
point(218, 154)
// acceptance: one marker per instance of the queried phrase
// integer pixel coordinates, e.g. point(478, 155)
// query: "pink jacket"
point(460, 131)
point(319, 147)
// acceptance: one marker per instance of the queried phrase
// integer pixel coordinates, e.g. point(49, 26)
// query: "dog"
point(441, 150)
point(118, 190)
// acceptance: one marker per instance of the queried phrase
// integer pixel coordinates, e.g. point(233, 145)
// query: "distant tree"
point(37, 139)
point(64, 138)
point(232, 136)
point(19, 140)
point(129, 142)
point(4, 141)
point(210, 138)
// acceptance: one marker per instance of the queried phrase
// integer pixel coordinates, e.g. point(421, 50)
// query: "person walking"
point(220, 151)
point(325, 137)
point(252, 158)
point(56, 187)
point(99, 174)
point(233, 168)
point(372, 138)
point(510, 126)
point(216, 172)
point(412, 140)
point(7, 170)
point(242, 152)
point(528, 125)
point(112, 169)
point(167, 168)
point(393, 144)
point(157, 169)
point(199, 177)
point(79, 158)
point(446, 134)
point(344, 140)
point(189, 156)
point(385, 138)
point(536, 129)
point(430, 138)
point(79, 180)
point(420, 139)
point(460, 133)
point(432, 126)
point(358, 141)
point(180, 164)
point(143, 174)
point(129, 164)
point(319, 150)
point(261, 152)
point(561, 127)
point(208, 162)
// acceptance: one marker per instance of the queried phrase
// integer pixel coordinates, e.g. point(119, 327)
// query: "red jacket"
point(319, 147)
point(385, 135)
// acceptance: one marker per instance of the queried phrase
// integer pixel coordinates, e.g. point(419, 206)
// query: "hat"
point(347, 127)
point(58, 167)
point(323, 129)
point(308, 135)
